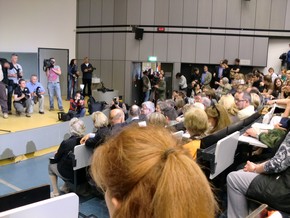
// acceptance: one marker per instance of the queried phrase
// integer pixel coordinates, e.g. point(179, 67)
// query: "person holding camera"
point(77, 105)
point(22, 99)
point(117, 104)
point(15, 72)
point(53, 72)
point(37, 93)
point(87, 70)
point(72, 79)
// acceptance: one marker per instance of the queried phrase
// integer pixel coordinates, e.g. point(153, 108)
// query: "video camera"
point(26, 93)
point(47, 64)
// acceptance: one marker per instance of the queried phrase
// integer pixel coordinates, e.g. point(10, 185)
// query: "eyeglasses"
point(238, 100)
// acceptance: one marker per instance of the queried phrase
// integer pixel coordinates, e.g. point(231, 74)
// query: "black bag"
point(94, 105)
point(62, 116)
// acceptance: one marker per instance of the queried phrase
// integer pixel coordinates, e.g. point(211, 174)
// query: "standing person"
point(206, 77)
point(3, 95)
point(22, 99)
point(14, 74)
point(87, 70)
point(53, 72)
point(37, 92)
point(146, 86)
point(235, 69)
point(181, 82)
point(288, 59)
point(161, 88)
point(72, 79)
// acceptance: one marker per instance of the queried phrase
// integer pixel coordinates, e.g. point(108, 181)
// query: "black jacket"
point(99, 138)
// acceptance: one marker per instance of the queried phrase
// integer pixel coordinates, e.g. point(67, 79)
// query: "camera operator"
point(77, 105)
point(117, 104)
point(53, 72)
point(4, 65)
point(14, 74)
point(87, 70)
point(22, 99)
point(37, 93)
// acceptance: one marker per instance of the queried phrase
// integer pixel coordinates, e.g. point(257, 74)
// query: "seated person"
point(267, 182)
point(145, 174)
point(157, 119)
point(37, 92)
point(61, 165)
point(101, 123)
point(22, 99)
point(116, 103)
point(77, 105)
point(195, 122)
point(218, 117)
point(134, 114)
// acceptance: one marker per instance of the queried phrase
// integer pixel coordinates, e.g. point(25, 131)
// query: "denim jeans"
point(54, 88)
point(72, 85)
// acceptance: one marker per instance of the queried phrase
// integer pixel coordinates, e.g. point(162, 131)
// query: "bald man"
point(117, 120)
point(134, 114)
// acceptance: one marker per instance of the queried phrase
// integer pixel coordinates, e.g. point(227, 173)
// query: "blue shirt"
point(32, 87)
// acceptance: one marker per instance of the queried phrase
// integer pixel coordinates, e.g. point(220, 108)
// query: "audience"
point(134, 114)
point(102, 131)
point(196, 124)
point(243, 103)
point(116, 120)
point(157, 119)
point(147, 108)
point(218, 117)
point(62, 164)
point(151, 181)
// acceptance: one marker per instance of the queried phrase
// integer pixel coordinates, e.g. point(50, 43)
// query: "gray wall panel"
point(202, 48)
point(95, 46)
point(108, 12)
point(260, 49)
point(97, 65)
point(161, 12)
point(119, 49)
point(160, 46)
point(232, 48)
point(107, 73)
point(217, 49)
point(147, 12)
point(287, 19)
point(246, 48)
point(95, 12)
point(174, 48)
point(132, 47)
point(234, 13)
point(134, 11)
point(120, 16)
point(263, 11)
point(188, 48)
point(278, 14)
point(248, 14)
point(175, 12)
point(146, 46)
point(107, 46)
point(190, 12)
point(219, 13)
point(204, 19)
point(82, 45)
point(83, 15)
point(119, 76)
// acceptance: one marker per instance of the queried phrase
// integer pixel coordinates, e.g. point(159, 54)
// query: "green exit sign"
point(152, 58)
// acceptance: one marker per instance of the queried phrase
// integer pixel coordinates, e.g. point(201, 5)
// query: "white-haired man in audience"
point(117, 120)
point(147, 108)
point(243, 103)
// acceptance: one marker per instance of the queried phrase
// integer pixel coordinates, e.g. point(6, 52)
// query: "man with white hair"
point(134, 114)
point(147, 108)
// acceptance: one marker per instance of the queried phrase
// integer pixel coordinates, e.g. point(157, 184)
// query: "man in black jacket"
point(4, 65)
point(87, 70)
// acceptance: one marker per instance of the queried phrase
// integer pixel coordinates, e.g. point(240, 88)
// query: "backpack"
point(62, 116)
point(94, 105)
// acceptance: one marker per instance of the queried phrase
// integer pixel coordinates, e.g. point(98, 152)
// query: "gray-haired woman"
point(61, 165)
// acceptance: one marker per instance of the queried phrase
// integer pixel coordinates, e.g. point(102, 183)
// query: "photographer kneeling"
point(22, 99)
point(37, 93)
point(77, 105)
